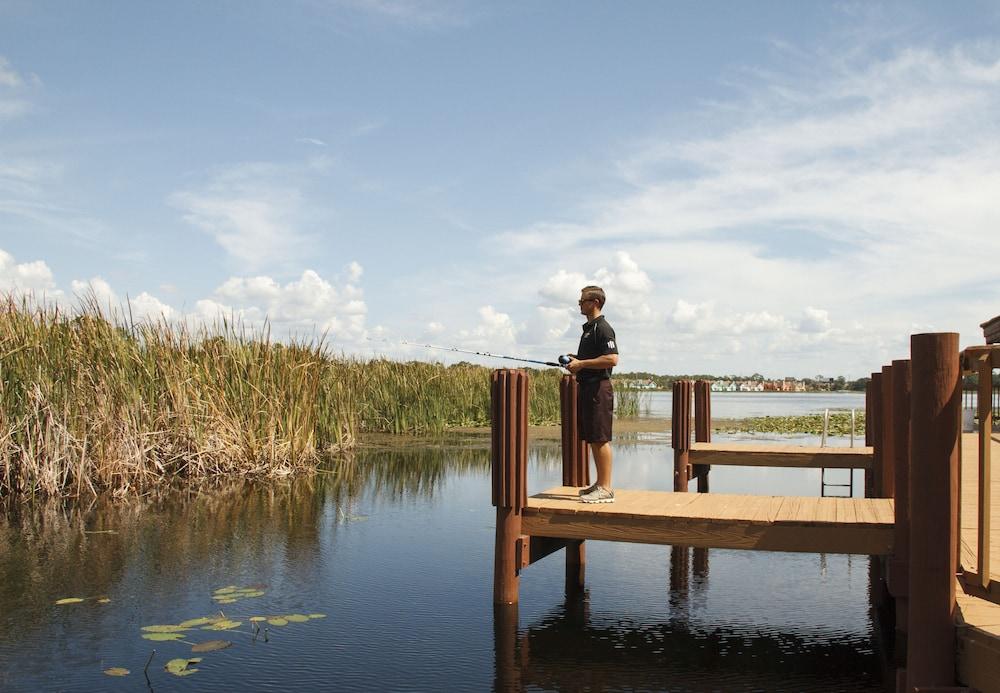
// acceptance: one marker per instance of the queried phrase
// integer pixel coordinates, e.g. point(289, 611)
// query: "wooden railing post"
point(702, 427)
point(899, 568)
point(576, 472)
point(886, 437)
point(873, 434)
point(984, 401)
point(680, 437)
point(509, 466)
point(935, 407)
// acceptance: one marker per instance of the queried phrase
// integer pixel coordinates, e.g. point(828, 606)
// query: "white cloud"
point(14, 101)
point(33, 276)
point(868, 174)
point(305, 307)
point(814, 320)
point(257, 212)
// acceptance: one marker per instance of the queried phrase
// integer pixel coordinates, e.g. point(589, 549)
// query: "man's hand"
point(574, 365)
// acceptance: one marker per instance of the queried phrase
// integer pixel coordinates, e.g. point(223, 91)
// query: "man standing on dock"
point(592, 364)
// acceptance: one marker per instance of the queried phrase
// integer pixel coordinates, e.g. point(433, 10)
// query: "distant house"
point(723, 386)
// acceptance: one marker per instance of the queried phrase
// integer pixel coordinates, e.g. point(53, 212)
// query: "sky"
point(786, 188)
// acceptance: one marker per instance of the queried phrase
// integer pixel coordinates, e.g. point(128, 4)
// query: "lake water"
point(395, 548)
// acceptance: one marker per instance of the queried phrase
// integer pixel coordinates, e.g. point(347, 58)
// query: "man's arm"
point(599, 363)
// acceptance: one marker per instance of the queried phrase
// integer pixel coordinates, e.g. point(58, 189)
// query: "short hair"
point(594, 292)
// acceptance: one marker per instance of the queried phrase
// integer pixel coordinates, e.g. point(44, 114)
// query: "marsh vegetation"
point(90, 403)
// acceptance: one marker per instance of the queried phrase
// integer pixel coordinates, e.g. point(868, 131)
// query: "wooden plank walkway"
point(717, 520)
point(749, 455)
point(978, 619)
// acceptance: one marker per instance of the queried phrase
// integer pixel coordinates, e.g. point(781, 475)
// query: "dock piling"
point(935, 407)
point(576, 472)
point(702, 428)
point(899, 566)
point(680, 433)
point(509, 467)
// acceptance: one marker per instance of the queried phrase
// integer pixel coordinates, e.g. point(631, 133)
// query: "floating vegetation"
point(164, 629)
point(211, 646)
point(117, 671)
point(103, 600)
point(162, 637)
point(812, 424)
point(69, 600)
point(177, 632)
point(180, 666)
point(232, 594)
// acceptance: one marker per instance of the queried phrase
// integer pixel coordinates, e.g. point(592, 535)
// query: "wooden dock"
point(717, 520)
point(978, 617)
point(927, 521)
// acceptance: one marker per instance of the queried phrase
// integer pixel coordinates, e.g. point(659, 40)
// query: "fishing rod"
point(563, 360)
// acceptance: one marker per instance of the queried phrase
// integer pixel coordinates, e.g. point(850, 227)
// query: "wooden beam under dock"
point(717, 520)
point(749, 455)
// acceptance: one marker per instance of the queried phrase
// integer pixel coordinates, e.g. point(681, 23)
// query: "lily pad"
point(226, 600)
point(223, 625)
point(179, 666)
point(103, 600)
point(117, 671)
point(69, 600)
point(257, 619)
point(226, 590)
point(162, 637)
point(296, 618)
point(277, 621)
point(194, 622)
point(164, 629)
point(253, 594)
point(317, 615)
point(211, 646)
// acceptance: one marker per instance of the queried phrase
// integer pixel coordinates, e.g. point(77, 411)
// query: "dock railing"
point(981, 361)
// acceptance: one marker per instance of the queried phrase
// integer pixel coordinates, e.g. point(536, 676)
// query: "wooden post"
point(935, 407)
point(680, 437)
point(873, 434)
point(576, 470)
point(888, 451)
point(869, 476)
point(984, 400)
point(509, 462)
point(507, 668)
point(899, 568)
point(702, 427)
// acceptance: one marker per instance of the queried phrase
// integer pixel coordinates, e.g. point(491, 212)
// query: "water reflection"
point(570, 649)
point(395, 543)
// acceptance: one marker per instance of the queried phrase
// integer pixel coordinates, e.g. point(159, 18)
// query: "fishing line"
point(563, 360)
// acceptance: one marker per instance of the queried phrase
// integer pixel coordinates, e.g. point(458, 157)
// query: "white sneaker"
point(599, 495)
point(589, 489)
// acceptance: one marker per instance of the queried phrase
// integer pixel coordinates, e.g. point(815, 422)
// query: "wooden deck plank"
point(750, 455)
point(770, 523)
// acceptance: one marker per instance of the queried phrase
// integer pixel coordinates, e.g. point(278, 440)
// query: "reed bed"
point(90, 404)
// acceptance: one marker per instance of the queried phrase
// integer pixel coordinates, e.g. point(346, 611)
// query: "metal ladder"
point(823, 485)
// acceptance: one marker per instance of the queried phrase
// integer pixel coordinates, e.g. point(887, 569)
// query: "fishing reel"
point(564, 359)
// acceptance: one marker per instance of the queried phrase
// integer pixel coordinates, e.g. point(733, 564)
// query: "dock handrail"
point(981, 360)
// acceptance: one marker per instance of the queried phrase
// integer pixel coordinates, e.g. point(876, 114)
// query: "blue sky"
point(782, 187)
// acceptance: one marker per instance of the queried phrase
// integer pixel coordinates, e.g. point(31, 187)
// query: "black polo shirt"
point(598, 339)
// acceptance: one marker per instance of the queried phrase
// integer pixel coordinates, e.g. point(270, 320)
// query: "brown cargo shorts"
point(594, 406)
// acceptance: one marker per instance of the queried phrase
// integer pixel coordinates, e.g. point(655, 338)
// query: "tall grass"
point(91, 404)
